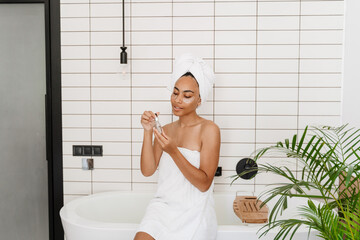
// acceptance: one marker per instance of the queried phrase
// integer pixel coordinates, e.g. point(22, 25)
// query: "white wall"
point(351, 82)
point(278, 66)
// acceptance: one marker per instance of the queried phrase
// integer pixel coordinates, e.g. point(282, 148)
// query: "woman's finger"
point(153, 115)
point(149, 114)
point(147, 121)
point(163, 133)
point(157, 134)
point(158, 137)
point(145, 117)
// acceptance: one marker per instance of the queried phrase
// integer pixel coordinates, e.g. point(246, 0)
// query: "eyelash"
point(184, 96)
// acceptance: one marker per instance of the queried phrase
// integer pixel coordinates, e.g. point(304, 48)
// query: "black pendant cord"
point(123, 21)
point(123, 54)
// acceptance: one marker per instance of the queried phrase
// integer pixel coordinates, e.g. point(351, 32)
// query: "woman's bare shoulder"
point(209, 127)
point(210, 136)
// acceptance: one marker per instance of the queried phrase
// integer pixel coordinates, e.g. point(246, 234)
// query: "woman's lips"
point(177, 108)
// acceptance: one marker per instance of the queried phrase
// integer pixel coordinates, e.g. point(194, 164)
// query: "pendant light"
point(124, 66)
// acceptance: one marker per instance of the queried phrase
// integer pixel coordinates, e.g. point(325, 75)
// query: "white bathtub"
point(116, 215)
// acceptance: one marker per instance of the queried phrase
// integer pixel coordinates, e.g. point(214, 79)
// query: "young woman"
point(187, 155)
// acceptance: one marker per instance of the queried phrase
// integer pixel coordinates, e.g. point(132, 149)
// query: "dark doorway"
point(31, 181)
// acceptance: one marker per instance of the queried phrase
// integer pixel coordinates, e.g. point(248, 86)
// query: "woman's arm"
point(209, 157)
point(150, 154)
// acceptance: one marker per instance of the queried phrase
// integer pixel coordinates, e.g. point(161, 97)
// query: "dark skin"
point(191, 131)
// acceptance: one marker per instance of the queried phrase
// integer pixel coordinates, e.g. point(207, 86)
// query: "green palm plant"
point(330, 172)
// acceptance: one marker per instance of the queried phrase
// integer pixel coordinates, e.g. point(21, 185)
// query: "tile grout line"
point(220, 87)
point(131, 100)
point(172, 47)
point(224, 129)
point(244, 73)
point(220, 114)
point(223, 59)
point(91, 130)
point(214, 57)
point(208, 30)
point(184, 1)
point(298, 92)
point(209, 16)
point(256, 82)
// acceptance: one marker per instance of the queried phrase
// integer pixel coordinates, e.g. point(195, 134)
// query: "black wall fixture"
point(87, 150)
point(218, 172)
point(246, 164)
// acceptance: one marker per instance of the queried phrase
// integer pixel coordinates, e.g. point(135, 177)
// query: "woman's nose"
point(178, 99)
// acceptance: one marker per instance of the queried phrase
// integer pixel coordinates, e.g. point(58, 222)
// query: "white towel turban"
point(202, 72)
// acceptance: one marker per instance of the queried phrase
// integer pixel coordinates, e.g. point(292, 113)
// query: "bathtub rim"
point(69, 215)
point(68, 212)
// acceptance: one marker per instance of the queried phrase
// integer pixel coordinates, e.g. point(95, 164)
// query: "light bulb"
point(124, 68)
point(123, 71)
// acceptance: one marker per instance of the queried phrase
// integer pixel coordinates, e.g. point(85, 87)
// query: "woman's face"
point(185, 97)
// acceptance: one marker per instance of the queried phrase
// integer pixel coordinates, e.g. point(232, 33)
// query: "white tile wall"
point(278, 66)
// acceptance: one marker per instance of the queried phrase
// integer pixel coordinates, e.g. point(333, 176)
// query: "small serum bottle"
point(157, 124)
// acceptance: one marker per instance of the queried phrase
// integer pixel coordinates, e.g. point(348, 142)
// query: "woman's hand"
point(148, 120)
point(167, 144)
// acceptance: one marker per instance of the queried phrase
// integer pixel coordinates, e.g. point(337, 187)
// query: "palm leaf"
point(330, 154)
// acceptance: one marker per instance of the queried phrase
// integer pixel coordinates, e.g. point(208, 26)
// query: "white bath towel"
point(202, 72)
point(180, 211)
